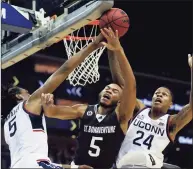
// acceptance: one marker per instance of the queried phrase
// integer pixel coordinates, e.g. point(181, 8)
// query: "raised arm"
point(33, 104)
point(128, 97)
point(139, 105)
point(117, 75)
point(115, 69)
point(178, 121)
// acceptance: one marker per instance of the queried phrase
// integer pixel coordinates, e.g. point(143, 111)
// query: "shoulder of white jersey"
point(145, 108)
point(19, 105)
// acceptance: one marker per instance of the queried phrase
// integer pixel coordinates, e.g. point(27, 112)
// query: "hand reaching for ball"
point(112, 38)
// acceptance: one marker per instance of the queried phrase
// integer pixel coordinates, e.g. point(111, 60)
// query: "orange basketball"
point(117, 19)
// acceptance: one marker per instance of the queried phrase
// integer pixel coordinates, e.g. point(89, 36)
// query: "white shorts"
point(23, 163)
point(138, 159)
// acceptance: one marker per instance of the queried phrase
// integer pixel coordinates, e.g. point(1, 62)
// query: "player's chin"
point(105, 103)
point(157, 106)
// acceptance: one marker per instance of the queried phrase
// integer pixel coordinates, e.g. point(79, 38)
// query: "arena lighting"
point(185, 140)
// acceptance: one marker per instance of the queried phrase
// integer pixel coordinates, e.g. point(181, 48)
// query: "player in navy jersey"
point(25, 127)
point(151, 129)
point(104, 125)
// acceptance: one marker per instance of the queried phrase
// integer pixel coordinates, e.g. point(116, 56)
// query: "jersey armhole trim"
point(84, 114)
point(131, 120)
point(167, 129)
point(32, 114)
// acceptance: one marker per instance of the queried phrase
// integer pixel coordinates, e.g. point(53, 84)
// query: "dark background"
point(157, 45)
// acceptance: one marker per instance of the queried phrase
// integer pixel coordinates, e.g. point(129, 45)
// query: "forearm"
point(115, 68)
point(64, 112)
point(139, 105)
point(50, 111)
point(61, 74)
point(126, 70)
point(117, 75)
point(181, 119)
point(128, 98)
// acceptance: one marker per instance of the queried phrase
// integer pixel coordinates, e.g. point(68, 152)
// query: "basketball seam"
point(112, 19)
point(120, 25)
point(109, 23)
point(103, 21)
point(114, 23)
point(113, 14)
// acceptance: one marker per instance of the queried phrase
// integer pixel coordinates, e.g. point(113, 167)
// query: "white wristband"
point(74, 166)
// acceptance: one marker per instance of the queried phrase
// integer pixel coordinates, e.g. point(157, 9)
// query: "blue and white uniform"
point(26, 136)
point(144, 142)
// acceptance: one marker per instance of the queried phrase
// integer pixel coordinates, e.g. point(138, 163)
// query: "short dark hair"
point(171, 93)
point(9, 99)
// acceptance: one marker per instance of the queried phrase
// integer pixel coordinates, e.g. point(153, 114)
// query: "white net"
point(87, 71)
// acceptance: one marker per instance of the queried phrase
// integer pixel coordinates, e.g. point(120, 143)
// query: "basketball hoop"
point(87, 71)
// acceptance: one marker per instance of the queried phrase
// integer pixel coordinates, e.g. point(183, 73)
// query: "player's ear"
point(19, 96)
point(171, 103)
point(100, 94)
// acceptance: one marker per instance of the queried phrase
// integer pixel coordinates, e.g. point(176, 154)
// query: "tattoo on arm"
point(181, 119)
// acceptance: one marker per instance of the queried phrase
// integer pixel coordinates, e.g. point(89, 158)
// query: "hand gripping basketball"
point(113, 42)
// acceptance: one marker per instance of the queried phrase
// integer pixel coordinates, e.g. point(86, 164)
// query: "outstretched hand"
point(190, 60)
point(112, 38)
point(47, 99)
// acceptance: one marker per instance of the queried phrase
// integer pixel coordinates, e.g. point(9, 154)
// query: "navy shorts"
point(45, 164)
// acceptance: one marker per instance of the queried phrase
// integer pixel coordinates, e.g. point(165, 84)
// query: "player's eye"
point(107, 87)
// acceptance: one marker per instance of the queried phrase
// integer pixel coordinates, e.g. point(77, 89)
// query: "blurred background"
point(157, 45)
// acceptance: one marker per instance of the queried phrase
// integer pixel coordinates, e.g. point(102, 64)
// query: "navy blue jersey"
point(99, 139)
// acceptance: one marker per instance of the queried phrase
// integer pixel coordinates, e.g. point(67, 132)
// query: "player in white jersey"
point(25, 127)
point(151, 129)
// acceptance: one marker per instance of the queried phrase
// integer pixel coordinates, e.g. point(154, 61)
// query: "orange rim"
point(74, 38)
point(96, 22)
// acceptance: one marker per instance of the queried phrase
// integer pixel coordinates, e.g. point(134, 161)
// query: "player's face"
point(24, 94)
point(110, 95)
point(162, 99)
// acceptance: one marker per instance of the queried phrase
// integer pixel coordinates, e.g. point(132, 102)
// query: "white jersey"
point(26, 135)
point(144, 141)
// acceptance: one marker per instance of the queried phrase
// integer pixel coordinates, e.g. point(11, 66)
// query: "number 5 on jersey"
point(94, 146)
point(12, 127)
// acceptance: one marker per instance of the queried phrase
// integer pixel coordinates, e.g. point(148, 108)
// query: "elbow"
point(49, 113)
point(124, 118)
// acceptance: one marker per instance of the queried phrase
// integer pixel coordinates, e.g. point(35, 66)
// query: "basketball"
point(117, 19)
